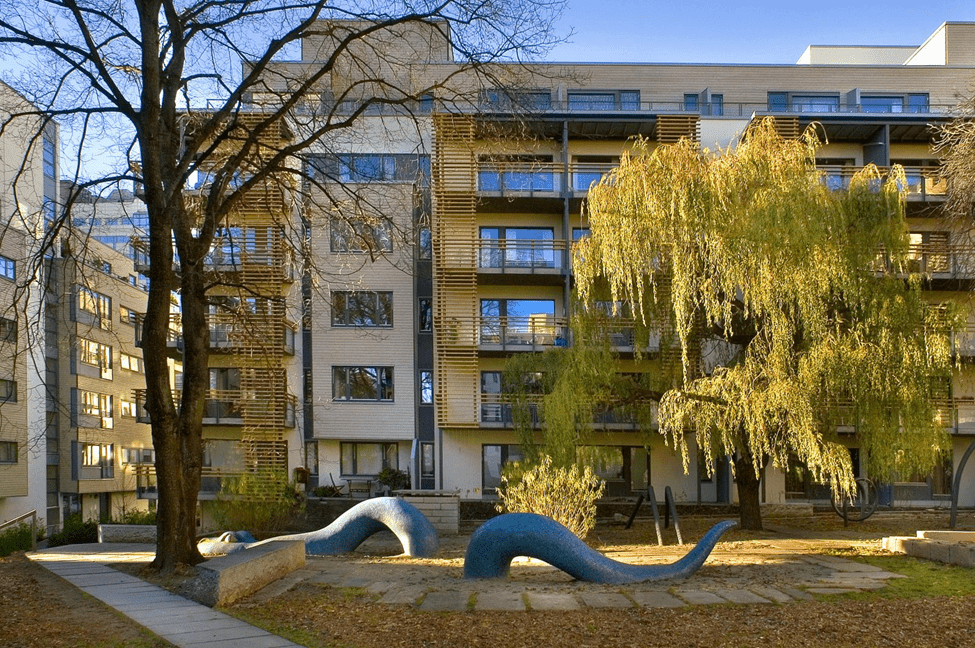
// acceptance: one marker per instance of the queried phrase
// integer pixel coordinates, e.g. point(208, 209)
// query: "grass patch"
point(925, 578)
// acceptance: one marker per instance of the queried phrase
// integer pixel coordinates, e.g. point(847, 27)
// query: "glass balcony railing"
point(519, 255)
point(521, 333)
point(922, 183)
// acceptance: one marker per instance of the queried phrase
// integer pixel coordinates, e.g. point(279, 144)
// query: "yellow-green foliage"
point(803, 293)
point(566, 494)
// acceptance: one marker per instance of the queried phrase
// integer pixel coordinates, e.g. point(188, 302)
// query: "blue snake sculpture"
point(500, 539)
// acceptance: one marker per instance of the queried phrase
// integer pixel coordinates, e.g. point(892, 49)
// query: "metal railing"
point(522, 333)
point(32, 515)
point(922, 182)
point(537, 178)
point(520, 255)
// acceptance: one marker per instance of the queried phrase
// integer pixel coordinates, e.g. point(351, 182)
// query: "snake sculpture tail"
point(412, 528)
point(499, 540)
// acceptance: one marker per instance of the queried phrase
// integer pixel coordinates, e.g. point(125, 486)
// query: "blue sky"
point(746, 31)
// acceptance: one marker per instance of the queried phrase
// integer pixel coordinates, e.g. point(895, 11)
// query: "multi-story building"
point(95, 440)
point(438, 315)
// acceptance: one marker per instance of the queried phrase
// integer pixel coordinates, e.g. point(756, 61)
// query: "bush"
point(395, 479)
point(567, 495)
point(327, 491)
point(15, 538)
point(146, 517)
point(75, 531)
point(261, 502)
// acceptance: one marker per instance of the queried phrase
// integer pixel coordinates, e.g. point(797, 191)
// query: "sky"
point(745, 31)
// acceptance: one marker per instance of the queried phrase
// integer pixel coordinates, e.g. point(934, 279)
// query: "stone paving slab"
point(831, 590)
point(699, 597)
point(404, 595)
point(552, 601)
point(742, 596)
point(446, 601)
point(656, 599)
point(605, 600)
point(772, 594)
point(797, 594)
point(510, 601)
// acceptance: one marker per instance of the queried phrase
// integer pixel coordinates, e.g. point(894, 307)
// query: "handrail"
point(33, 526)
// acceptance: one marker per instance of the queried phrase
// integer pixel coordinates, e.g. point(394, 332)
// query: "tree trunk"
point(749, 493)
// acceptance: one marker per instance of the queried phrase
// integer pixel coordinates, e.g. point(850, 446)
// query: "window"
point(516, 173)
point(509, 100)
point(8, 268)
point(369, 167)
point(127, 409)
point(98, 406)
point(97, 460)
point(130, 362)
point(424, 244)
point(49, 212)
point(362, 383)
point(786, 102)
point(918, 103)
point(367, 308)
point(691, 102)
point(50, 158)
point(609, 100)
point(426, 387)
point(579, 233)
point(368, 458)
point(8, 452)
point(518, 247)
point(140, 220)
point(426, 314)
point(97, 305)
point(127, 315)
point(8, 330)
point(96, 355)
point(138, 456)
point(717, 104)
point(929, 252)
point(493, 459)
point(361, 236)
point(882, 104)
point(426, 461)
point(518, 321)
point(8, 391)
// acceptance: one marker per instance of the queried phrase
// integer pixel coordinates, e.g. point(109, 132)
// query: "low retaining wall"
point(142, 533)
point(223, 580)
point(951, 551)
point(442, 508)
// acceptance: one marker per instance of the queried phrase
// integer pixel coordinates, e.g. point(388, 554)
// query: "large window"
point(518, 321)
point(8, 268)
point(130, 362)
point(361, 236)
point(8, 330)
point(368, 458)
point(493, 459)
point(95, 354)
point(518, 247)
point(426, 387)
point(96, 305)
point(367, 308)
point(97, 460)
point(362, 383)
point(50, 158)
point(370, 167)
point(8, 452)
point(786, 102)
point(609, 100)
point(95, 405)
point(516, 173)
point(509, 100)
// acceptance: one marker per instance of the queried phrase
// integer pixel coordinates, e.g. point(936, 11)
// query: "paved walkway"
point(176, 619)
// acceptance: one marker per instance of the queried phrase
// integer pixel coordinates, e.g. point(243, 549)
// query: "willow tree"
point(801, 295)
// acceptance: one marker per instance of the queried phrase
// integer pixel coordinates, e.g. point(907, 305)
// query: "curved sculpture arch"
point(350, 529)
point(499, 540)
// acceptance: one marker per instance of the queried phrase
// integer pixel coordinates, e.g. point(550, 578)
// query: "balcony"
point(234, 407)
point(229, 331)
point(496, 411)
point(532, 333)
point(174, 337)
point(537, 179)
point(923, 183)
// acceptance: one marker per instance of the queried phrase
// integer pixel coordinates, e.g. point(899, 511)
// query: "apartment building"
point(28, 189)
point(96, 443)
point(480, 269)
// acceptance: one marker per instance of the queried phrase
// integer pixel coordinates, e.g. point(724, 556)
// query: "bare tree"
point(162, 79)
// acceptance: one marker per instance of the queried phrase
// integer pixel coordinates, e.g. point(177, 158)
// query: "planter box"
point(141, 533)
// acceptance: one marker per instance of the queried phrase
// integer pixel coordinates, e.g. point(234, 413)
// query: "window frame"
point(347, 304)
point(387, 450)
point(8, 268)
point(383, 383)
point(8, 390)
point(360, 237)
point(9, 452)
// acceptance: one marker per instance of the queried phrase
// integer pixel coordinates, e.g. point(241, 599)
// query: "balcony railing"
point(521, 333)
point(232, 407)
point(937, 260)
point(521, 255)
point(496, 410)
point(923, 183)
point(537, 178)
point(725, 108)
point(230, 331)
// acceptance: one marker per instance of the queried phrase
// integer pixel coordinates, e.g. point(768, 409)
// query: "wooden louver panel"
point(672, 128)
point(454, 273)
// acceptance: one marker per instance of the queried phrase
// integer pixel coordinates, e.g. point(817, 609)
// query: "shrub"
point(75, 531)
point(260, 502)
point(567, 495)
point(15, 538)
point(136, 517)
point(395, 479)
point(327, 491)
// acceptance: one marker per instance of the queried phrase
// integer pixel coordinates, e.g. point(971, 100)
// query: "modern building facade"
point(481, 268)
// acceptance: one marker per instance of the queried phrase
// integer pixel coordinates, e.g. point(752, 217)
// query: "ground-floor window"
point(493, 459)
point(625, 469)
point(368, 458)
